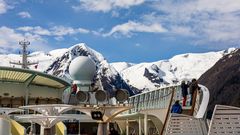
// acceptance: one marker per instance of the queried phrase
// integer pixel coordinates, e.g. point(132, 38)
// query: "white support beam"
point(127, 127)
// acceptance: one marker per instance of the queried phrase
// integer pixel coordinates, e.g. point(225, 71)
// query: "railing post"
point(193, 102)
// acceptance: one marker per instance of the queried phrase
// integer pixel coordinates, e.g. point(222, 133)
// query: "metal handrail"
point(156, 99)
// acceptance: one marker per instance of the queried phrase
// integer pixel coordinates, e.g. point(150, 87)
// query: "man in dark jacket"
point(193, 88)
point(184, 87)
point(176, 108)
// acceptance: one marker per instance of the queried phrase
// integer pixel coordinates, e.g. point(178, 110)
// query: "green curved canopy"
point(31, 77)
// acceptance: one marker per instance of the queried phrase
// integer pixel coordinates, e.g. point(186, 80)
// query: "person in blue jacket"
point(176, 108)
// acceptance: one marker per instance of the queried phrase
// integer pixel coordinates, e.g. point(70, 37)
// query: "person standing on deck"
point(193, 88)
point(74, 89)
point(184, 87)
point(72, 98)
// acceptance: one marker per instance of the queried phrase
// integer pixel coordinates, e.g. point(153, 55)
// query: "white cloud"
point(98, 32)
point(222, 6)
point(190, 7)
point(106, 5)
point(130, 27)
point(182, 30)
point(4, 7)
point(59, 38)
point(24, 14)
point(25, 28)
point(224, 29)
point(35, 30)
point(137, 44)
point(127, 3)
point(9, 39)
point(115, 14)
point(82, 30)
point(53, 31)
point(61, 30)
point(207, 22)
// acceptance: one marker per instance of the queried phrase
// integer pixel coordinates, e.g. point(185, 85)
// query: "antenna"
point(25, 63)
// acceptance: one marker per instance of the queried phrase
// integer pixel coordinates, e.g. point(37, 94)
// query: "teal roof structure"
point(31, 77)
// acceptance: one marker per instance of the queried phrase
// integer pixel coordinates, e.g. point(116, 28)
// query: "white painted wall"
point(18, 90)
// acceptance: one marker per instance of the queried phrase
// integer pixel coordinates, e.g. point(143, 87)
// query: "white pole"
point(145, 124)
point(42, 130)
point(139, 125)
point(127, 127)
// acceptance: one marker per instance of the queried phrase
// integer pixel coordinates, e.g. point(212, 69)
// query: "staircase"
point(191, 121)
point(225, 121)
point(185, 125)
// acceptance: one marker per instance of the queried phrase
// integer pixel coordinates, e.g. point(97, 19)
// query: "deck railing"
point(156, 99)
point(159, 99)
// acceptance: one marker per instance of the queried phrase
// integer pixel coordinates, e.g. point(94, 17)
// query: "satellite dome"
point(82, 69)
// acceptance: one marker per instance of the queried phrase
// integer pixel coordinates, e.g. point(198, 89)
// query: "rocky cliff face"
point(223, 81)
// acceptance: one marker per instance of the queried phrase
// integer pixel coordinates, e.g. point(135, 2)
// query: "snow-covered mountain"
point(149, 76)
point(134, 77)
point(110, 78)
point(120, 66)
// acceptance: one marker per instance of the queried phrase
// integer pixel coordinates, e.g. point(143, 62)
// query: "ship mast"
point(25, 63)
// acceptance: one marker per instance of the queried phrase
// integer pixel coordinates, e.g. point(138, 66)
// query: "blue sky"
point(122, 30)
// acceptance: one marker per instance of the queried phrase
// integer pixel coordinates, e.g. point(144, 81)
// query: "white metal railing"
point(156, 99)
point(201, 102)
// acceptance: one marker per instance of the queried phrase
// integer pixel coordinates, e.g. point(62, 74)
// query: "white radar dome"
point(82, 69)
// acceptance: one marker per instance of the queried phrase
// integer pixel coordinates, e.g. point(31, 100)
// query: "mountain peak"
point(230, 50)
point(80, 45)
